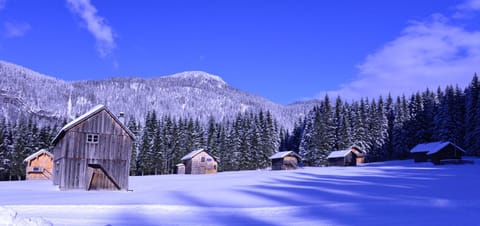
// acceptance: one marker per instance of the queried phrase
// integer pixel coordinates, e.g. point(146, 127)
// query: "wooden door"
point(99, 179)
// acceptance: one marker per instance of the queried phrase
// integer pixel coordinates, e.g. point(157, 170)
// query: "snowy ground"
point(391, 193)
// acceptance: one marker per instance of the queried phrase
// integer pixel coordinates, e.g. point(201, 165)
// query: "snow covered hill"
point(188, 94)
point(390, 193)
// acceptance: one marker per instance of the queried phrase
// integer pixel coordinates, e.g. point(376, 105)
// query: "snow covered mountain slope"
point(194, 94)
point(388, 193)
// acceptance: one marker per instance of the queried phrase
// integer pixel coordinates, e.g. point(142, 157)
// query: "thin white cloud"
point(467, 9)
point(96, 25)
point(469, 5)
point(15, 30)
point(427, 54)
point(2, 4)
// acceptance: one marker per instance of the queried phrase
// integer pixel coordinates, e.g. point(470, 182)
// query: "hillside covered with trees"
point(387, 128)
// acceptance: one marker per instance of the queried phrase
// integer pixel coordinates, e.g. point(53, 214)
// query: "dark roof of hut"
point(283, 154)
point(339, 154)
point(196, 152)
point(433, 147)
point(86, 116)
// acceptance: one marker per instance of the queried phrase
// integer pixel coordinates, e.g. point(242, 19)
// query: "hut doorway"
point(99, 179)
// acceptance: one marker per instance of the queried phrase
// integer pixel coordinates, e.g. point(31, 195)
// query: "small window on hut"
point(203, 159)
point(92, 138)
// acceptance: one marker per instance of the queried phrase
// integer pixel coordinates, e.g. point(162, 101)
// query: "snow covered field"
point(390, 193)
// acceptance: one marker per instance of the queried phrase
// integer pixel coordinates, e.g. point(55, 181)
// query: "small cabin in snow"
point(198, 162)
point(93, 152)
point(348, 157)
point(342, 158)
point(39, 165)
point(285, 160)
point(437, 151)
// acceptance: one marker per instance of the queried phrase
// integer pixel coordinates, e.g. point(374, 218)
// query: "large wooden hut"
point(437, 151)
point(93, 152)
point(198, 162)
point(39, 165)
point(285, 160)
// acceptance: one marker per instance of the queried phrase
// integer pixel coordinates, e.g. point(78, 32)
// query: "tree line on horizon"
point(387, 128)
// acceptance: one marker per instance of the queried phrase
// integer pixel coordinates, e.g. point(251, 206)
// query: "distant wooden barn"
point(436, 152)
point(348, 157)
point(39, 165)
point(93, 152)
point(285, 160)
point(342, 158)
point(198, 162)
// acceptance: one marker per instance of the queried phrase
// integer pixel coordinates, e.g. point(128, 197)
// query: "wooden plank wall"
point(43, 161)
point(199, 167)
point(112, 152)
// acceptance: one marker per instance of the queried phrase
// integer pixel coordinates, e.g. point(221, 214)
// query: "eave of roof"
point(338, 154)
point(433, 147)
point(85, 117)
point(32, 156)
point(283, 154)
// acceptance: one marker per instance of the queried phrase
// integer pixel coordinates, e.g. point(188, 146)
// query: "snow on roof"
point(87, 115)
point(283, 154)
point(32, 156)
point(192, 154)
point(433, 147)
point(358, 148)
point(339, 154)
point(84, 116)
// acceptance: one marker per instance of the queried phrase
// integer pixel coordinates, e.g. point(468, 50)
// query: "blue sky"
point(282, 50)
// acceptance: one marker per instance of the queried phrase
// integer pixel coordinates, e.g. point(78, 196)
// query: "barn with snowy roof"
point(198, 162)
point(437, 151)
point(93, 152)
point(285, 160)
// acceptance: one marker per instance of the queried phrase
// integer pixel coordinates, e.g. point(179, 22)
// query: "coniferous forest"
point(386, 127)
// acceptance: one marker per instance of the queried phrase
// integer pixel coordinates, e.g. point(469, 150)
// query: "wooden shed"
point(285, 160)
point(93, 152)
point(198, 162)
point(342, 158)
point(39, 165)
point(437, 151)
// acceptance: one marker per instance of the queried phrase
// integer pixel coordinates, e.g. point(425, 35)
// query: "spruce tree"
point(472, 127)
point(134, 128)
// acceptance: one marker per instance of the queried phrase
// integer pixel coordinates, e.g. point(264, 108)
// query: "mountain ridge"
point(196, 94)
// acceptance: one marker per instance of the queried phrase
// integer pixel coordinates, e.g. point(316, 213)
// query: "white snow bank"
point(389, 193)
point(9, 217)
